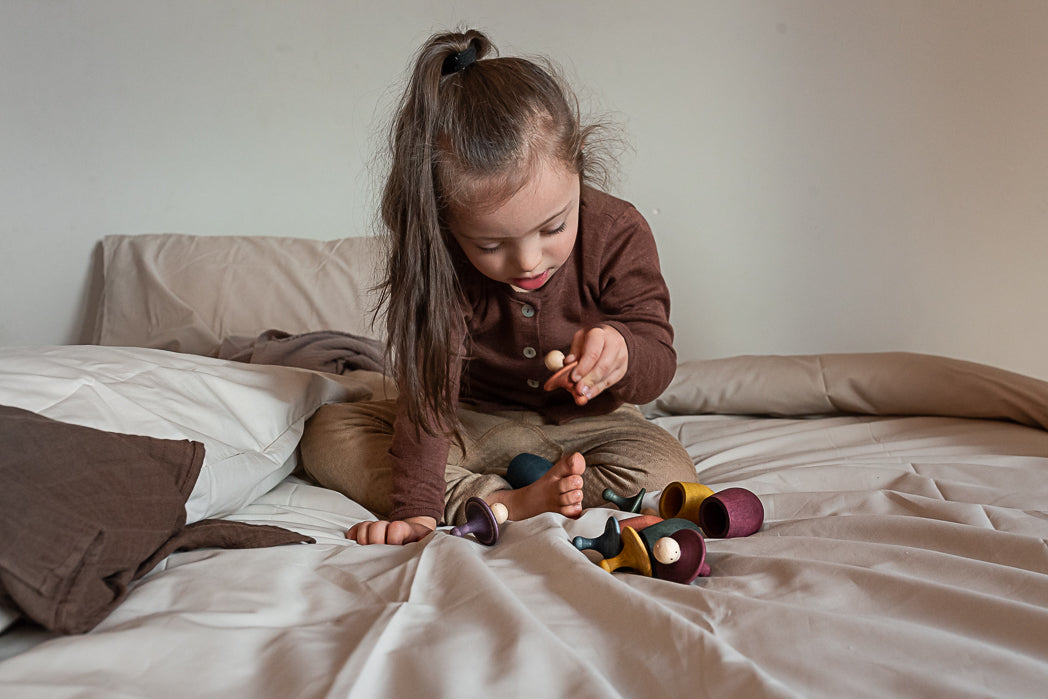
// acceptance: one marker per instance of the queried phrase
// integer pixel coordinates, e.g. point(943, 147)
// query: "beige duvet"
point(903, 554)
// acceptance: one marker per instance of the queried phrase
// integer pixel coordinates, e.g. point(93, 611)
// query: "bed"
point(903, 550)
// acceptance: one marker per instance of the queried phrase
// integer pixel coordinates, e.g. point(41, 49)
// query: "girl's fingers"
point(590, 347)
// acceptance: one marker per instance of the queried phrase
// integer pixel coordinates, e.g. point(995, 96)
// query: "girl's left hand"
point(602, 361)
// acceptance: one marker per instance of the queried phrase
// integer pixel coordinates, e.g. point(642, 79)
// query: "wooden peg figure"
point(608, 544)
point(562, 378)
point(626, 504)
point(634, 555)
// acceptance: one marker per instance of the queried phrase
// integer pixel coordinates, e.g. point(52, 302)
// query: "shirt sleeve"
point(419, 462)
point(636, 302)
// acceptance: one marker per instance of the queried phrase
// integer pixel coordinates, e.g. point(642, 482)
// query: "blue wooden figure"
point(608, 544)
point(626, 504)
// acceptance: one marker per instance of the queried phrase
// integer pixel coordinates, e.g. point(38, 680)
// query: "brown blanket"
point(84, 512)
point(324, 350)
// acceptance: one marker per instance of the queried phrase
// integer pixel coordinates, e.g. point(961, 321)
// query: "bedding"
point(75, 537)
point(903, 550)
point(248, 418)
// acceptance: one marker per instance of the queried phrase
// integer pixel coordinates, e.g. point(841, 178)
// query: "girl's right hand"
point(602, 358)
point(397, 533)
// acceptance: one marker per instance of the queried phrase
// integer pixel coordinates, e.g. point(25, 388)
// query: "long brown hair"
point(465, 137)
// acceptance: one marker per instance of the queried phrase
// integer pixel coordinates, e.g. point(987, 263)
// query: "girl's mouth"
point(530, 283)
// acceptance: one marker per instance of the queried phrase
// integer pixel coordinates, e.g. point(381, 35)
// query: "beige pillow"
point(882, 383)
point(187, 293)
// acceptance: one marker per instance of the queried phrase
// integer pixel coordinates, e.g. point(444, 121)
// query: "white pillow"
point(189, 293)
point(249, 417)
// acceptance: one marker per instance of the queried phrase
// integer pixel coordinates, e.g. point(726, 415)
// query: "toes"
point(571, 464)
point(570, 483)
point(571, 497)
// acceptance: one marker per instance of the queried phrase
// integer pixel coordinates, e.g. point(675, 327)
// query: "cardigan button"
point(527, 310)
point(530, 352)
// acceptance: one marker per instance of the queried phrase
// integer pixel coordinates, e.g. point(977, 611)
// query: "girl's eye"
point(558, 229)
point(491, 249)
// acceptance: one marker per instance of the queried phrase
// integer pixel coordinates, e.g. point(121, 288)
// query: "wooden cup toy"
point(481, 522)
point(731, 512)
point(680, 557)
point(682, 499)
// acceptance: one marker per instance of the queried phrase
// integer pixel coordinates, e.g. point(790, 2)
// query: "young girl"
point(499, 253)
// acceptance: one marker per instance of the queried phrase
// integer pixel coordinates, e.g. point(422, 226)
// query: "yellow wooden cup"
point(681, 499)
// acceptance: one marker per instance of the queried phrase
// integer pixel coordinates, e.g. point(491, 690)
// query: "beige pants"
point(346, 447)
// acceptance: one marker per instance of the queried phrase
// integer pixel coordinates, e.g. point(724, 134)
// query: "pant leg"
point(624, 452)
point(491, 439)
point(345, 447)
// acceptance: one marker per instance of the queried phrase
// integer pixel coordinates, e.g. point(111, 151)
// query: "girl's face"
point(529, 237)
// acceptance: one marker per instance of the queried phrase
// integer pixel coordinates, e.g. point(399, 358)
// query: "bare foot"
point(558, 490)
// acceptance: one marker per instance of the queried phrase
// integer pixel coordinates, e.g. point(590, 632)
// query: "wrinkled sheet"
point(900, 556)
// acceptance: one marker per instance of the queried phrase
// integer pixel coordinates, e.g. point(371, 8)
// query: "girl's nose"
point(529, 257)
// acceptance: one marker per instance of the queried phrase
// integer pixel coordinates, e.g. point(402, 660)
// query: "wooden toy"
point(666, 550)
point(640, 521)
point(562, 377)
point(554, 360)
point(667, 527)
point(501, 512)
point(480, 522)
point(608, 544)
point(524, 469)
point(682, 499)
point(731, 512)
point(626, 504)
point(633, 555)
point(680, 557)
point(671, 549)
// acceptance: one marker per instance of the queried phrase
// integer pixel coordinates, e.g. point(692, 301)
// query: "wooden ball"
point(666, 550)
point(500, 511)
point(555, 360)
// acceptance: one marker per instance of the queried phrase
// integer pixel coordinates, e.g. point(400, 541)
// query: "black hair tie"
point(459, 61)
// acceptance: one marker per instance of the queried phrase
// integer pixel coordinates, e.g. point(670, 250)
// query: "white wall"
point(822, 176)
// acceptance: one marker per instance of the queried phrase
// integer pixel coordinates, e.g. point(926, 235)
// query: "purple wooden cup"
point(731, 512)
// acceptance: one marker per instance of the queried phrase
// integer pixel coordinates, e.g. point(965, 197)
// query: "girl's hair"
point(463, 137)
